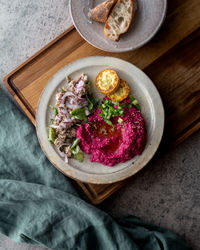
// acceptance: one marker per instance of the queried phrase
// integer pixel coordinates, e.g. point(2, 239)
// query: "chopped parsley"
point(55, 109)
point(62, 90)
point(79, 114)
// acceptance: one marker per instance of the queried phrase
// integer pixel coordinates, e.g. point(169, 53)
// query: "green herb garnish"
point(78, 154)
point(134, 102)
point(76, 151)
point(91, 99)
point(89, 84)
point(62, 90)
point(75, 143)
point(120, 120)
point(108, 111)
point(55, 109)
point(51, 120)
point(79, 114)
point(109, 122)
point(125, 104)
point(51, 134)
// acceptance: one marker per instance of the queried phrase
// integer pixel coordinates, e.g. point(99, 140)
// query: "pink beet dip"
point(115, 144)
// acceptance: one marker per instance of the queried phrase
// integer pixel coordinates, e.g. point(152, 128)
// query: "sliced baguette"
point(120, 18)
point(100, 12)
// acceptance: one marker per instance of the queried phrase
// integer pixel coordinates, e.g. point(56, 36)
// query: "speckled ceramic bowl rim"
point(122, 49)
point(77, 174)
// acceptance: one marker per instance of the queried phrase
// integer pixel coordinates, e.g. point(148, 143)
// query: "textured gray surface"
point(26, 26)
point(167, 192)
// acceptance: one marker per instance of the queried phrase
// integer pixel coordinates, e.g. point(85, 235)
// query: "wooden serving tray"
point(171, 59)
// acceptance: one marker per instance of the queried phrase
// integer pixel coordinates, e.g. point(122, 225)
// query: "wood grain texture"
point(71, 47)
point(177, 77)
point(171, 60)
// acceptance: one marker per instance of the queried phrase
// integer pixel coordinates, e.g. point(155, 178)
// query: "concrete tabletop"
point(167, 192)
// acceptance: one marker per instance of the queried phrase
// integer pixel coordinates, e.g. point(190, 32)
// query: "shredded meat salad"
point(73, 104)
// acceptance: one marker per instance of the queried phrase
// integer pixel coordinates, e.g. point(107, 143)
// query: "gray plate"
point(151, 107)
point(148, 19)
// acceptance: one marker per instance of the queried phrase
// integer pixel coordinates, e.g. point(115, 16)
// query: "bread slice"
point(100, 12)
point(120, 18)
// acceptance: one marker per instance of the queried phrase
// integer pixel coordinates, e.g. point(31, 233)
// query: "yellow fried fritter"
point(121, 93)
point(107, 81)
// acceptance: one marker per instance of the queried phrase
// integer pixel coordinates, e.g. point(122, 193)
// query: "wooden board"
point(171, 59)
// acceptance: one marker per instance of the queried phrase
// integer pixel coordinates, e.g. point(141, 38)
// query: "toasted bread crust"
point(100, 12)
point(131, 13)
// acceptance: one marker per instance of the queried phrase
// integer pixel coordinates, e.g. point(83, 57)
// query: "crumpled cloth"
point(39, 205)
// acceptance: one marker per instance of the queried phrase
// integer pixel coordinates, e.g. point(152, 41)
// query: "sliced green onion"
point(75, 143)
point(109, 122)
point(120, 120)
point(135, 102)
point(51, 134)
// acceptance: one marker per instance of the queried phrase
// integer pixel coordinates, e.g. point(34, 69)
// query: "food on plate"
point(100, 12)
point(120, 19)
point(117, 141)
point(112, 131)
point(107, 81)
point(121, 93)
point(73, 105)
